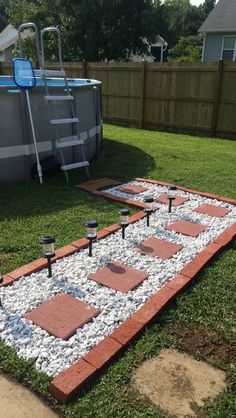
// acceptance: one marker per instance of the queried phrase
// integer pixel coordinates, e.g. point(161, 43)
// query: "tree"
point(188, 49)
point(182, 19)
point(93, 29)
point(206, 8)
point(3, 17)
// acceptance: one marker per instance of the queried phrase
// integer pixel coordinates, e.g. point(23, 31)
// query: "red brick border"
point(185, 189)
point(71, 380)
point(67, 383)
point(131, 202)
point(107, 350)
point(75, 246)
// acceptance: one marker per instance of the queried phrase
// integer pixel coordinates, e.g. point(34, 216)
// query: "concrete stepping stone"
point(179, 200)
point(19, 402)
point(62, 315)
point(191, 229)
point(132, 189)
point(157, 247)
point(119, 277)
point(212, 210)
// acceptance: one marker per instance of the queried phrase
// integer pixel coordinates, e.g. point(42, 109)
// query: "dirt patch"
point(205, 342)
point(177, 383)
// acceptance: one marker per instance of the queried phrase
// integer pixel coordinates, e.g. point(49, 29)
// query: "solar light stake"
point(124, 220)
point(148, 201)
point(171, 195)
point(91, 235)
point(48, 251)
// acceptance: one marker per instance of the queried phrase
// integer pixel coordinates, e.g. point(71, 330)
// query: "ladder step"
point(57, 98)
point(69, 143)
point(62, 121)
point(74, 165)
point(49, 73)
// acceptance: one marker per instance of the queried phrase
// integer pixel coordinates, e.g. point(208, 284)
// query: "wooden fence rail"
point(178, 97)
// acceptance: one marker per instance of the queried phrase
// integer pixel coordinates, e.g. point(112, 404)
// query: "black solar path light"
point(148, 202)
point(48, 250)
point(124, 220)
point(91, 235)
point(171, 195)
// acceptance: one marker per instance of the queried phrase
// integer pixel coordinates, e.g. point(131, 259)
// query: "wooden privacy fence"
point(179, 97)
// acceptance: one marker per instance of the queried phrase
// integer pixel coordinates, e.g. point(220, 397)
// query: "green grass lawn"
point(29, 211)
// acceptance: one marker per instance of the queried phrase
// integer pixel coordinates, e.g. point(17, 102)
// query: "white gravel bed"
point(70, 275)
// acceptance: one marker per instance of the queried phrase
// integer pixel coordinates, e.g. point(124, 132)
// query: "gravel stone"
point(70, 275)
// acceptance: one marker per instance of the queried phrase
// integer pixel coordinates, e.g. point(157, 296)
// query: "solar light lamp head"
point(172, 192)
point(171, 196)
point(124, 216)
point(48, 244)
point(91, 226)
point(148, 203)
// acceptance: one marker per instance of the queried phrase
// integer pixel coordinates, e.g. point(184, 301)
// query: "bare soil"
point(204, 342)
point(177, 383)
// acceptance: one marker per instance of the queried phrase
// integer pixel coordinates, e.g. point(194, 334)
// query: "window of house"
point(229, 48)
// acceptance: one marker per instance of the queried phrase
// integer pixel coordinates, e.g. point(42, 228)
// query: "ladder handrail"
point(48, 30)
point(75, 134)
point(33, 26)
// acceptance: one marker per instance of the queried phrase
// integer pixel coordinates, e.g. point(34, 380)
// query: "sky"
point(197, 2)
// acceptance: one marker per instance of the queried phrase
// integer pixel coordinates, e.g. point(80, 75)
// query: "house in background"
point(154, 52)
point(8, 38)
point(219, 31)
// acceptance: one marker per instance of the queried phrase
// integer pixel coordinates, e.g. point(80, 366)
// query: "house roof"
point(222, 18)
point(8, 37)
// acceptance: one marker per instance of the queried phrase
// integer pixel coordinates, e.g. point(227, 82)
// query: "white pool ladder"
point(74, 139)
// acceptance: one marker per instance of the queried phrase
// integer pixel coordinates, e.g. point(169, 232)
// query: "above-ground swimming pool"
point(17, 153)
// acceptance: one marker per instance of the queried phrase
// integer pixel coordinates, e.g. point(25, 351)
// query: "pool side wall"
point(17, 153)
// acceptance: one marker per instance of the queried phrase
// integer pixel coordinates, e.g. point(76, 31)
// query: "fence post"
point(143, 94)
point(217, 97)
point(84, 69)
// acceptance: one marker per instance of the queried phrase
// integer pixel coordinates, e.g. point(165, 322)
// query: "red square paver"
point(119, 277)
point(62, 315)
point(192, 229)
point(179, 200)
point(158, 248)
point(132, 189)
point(212, 210)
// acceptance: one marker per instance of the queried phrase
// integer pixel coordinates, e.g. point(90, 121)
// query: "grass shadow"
point(116, 160)
point(122, 161)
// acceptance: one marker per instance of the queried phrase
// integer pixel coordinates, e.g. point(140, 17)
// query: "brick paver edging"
point(75, 246)
point(71, 380)
point(138, 204)
point(185, 189)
